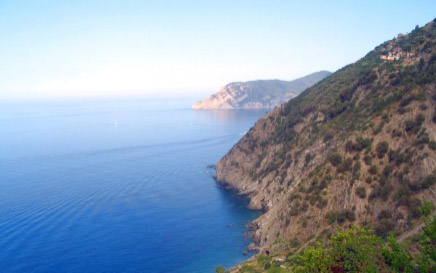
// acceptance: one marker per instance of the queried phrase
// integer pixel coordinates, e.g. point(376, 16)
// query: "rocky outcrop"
point(258, 94)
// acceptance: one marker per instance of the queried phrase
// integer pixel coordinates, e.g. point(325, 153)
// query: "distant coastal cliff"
point(259, 94)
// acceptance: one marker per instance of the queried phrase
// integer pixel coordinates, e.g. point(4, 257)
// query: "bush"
point(420, 118)
point(372, 170)
point(408, 125)
point(294, 243)
point(346, 165)
point(327, 137)
point(331, 217)
point(414, 126)
point(361, 192)
point(426, 209)
point(355, 250)
point(401, 110)
point(396, 257)
point(367, 159)
point(383, 227)
point(381, 192)
point(335, 159)
point(387, 171)
point(360, 144)
point(359, 250)
point(384, 214)
point(307, 159)
point(428, 181)
point(382, 148)
point(340, 216)
point(432, 145)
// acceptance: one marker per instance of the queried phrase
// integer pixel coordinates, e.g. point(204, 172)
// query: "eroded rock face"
point(357, 148)
point(258, 94)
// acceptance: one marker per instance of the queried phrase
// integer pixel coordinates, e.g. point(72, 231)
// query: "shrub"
point(423, 107)
point(308, 158)
point(428, 181)
point(367, 159)
point(331, 217)
point(350, 215)
point(396, 133)
point(327, 137)
point(415, 207)
point(294, 243)
point(383, 227)
point(384, 214)
point(346, 165)
point(340, 216)
point(372, 170)
point(381, 192)
point(335, 159)
point(396, 257)
point(382, 148)
point(408, 125)
point(361, 192)
point(355, 250)
point(420, 118)
point(432, 145)
point(359, 250)
point(387, 170)
point(414, 126)
point(426, 209)
point(294, 210)
point(360, 144)
point(401, 110)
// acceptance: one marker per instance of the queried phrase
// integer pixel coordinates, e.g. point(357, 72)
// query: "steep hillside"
point(258, 94)
point(357, 148)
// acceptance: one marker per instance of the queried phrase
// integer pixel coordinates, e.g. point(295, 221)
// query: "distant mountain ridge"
point(259, 94)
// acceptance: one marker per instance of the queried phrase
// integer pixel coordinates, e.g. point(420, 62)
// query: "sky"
point(88, 48)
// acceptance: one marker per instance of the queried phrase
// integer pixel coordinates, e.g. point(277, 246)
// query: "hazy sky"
point(74, 48)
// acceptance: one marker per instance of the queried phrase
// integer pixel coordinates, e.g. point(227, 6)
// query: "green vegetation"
point(360, 144)
point(360, 250)
point(335, 159)
point(382, 148)
point(361, 192)
point(221, 270)
point(307, 159)
point(356, 250)
point(367, 126)
point(340, 216)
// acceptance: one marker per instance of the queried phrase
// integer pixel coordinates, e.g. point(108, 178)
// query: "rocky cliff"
point(258, 94)
point(357, 148)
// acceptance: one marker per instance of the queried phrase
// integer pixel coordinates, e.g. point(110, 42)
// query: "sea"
point(119, 185)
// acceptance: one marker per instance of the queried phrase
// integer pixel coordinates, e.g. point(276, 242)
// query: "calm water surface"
point(107, 185)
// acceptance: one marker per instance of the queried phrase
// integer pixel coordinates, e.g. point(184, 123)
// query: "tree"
point(396, 257)
point(355, 250)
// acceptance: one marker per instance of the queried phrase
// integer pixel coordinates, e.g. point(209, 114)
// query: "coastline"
point(252, 226)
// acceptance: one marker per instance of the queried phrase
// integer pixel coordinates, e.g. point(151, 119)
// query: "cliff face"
point(358, 147)
point(258, 94)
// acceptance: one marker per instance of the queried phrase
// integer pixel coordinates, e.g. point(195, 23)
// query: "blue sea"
point(118, 185)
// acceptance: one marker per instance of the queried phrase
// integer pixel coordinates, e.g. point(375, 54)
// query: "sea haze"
point(123, 185)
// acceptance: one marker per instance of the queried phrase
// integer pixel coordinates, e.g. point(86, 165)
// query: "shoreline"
point(252, 226)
